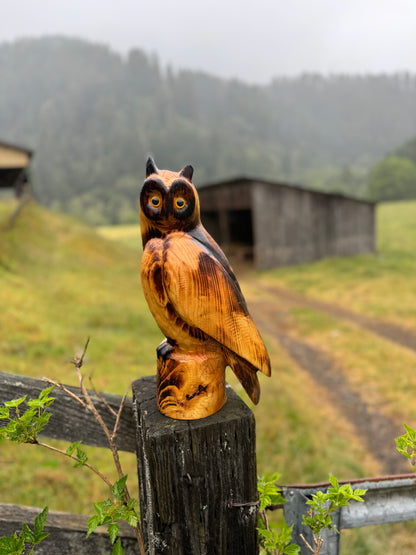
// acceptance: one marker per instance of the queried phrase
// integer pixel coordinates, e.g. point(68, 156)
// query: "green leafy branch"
point(272, 540)
point(406, 444)
point(323, 505)
point(123, 497)
point(110, 511)
point(24, 427)
point(16, 543)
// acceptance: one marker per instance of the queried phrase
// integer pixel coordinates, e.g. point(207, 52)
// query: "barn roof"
point(13, 162)
point(235, 181)
point(14, 156)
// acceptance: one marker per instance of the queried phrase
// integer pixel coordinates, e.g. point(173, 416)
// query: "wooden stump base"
point(197, 479)
point(190, 385)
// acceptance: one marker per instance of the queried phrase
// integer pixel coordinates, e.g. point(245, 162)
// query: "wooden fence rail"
point(71, 421)
point(197, 479)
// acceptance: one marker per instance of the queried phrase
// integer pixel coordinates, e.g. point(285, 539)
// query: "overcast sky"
point(251, 40)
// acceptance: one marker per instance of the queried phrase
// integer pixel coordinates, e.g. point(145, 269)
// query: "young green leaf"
point(11, 545)
point(358, 493)
point(15, 402)
point(410, 432)
point(334, 481)
point(118, 488)
point(292, 549)
point(4, 412)
point(42, 420)
point(27, 534)
point(113, 530)
point(99, 508)
point(72, 447)
point(40, 537)
point(92, 524)
point(81, 456)
point(132, 519)
point(40, 521)
point(132, 503)
point(44, 395)
point(117, 549)
point(35, 403)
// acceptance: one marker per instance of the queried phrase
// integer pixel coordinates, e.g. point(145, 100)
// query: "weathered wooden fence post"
point(197, 479)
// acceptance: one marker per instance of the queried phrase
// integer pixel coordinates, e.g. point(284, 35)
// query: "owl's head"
point(168, 202)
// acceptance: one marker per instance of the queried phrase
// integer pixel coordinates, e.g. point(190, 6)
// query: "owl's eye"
point(155, 201)
point(180, 202)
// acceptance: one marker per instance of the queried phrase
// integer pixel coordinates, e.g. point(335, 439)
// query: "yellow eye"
point(155, 201)
point(180, 202)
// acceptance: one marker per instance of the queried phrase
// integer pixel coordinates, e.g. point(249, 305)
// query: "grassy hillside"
point(62, 281)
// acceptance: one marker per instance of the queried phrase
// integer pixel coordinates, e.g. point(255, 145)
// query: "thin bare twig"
point(120, 410)
point(78, 362)
point(67, 391)
point(265, 519)
point(92, 468)
point(318, 541)
point(113, 412)
point(98, 417)
point(308, 545)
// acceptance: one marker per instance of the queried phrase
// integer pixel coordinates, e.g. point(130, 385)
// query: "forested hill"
point(92, 116)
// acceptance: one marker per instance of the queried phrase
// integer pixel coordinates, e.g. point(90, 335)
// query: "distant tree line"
point(394, 177)
point(92, 117)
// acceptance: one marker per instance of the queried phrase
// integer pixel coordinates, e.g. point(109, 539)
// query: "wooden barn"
point(276, 224)
point(14, 161)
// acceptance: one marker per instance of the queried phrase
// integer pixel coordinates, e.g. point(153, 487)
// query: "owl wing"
point(205, 294)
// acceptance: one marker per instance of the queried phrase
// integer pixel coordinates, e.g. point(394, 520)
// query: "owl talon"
point(164, 350)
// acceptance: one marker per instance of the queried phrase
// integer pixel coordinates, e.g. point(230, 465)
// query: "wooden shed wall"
point(223, 197)
point(293, 225)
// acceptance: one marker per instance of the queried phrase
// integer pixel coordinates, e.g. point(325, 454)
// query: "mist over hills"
point(93, 116)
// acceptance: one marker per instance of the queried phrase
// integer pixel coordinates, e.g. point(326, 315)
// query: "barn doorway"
point(233, 231)
point(240, 226)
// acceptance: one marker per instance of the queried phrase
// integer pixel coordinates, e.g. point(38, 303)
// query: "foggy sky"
point(253, 41)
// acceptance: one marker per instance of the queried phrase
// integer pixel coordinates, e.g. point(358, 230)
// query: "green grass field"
point(62, 281)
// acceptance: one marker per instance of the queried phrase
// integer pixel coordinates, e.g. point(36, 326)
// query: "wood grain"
point(191, 473)
point(196, 300)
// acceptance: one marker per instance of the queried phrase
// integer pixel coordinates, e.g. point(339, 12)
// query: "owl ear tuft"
point(151, 167)
point(187, 172)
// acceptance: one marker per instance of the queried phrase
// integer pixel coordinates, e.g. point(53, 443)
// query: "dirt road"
point(375, 429)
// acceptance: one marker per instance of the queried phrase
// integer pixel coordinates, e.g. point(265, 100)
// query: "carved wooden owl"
point(196, 301)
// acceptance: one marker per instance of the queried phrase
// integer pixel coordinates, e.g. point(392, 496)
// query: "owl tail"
point(247, 375)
